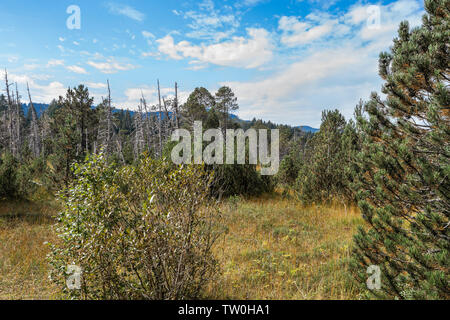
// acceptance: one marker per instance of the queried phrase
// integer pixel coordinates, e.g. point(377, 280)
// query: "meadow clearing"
point(274, 248)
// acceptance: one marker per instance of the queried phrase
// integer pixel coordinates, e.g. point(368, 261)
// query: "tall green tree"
point(78, 103)
point(321, 177)
point(226, 102)
point(404, 187)
point(197, 106)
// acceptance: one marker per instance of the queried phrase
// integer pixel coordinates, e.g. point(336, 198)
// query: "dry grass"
point(277, 249)
point(274, 249)
point(24, 227)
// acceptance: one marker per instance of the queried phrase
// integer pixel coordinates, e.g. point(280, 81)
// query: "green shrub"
point(8, 176)
point(237, 179)
point(17, 178)
point(139, 232)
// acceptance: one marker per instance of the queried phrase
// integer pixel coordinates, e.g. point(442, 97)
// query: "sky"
point(286, 60)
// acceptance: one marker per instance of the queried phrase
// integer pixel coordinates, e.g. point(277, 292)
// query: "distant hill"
point(308, 129)
point(41, 107)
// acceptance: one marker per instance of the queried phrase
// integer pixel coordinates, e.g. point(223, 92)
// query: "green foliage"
point(404, 187)
point(197, 106)
point(226, 102)
point(139, 232)
point(64, 148)
point(18, 178)
point(8, 176)
point(293, 161)
point(237, 179)
point(322, 175)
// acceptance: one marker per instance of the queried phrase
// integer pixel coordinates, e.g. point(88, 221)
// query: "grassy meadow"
point(273, 249)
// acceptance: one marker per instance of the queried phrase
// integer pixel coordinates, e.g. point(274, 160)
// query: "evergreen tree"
point(197, 106)
point(78, 103)
point(3, 103)
point(404, 185)
point(226, 102)
point(321, 178)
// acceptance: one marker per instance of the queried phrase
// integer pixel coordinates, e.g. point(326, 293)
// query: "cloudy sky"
point(286, 60)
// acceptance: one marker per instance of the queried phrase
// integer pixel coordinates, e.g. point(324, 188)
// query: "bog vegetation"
point(373, 190)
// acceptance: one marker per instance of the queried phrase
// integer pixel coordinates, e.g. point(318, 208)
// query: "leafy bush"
point(327, 172)
point(8, 176)
point(139, 232)
point(17, 178)
point(236, 179)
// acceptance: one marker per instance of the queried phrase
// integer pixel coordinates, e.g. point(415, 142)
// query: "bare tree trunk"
point(9, 115)
point(18, 125)
point(35, 139)
point(166, 122)
point(147, 123)
point(138, 133)
point(119, 148)
point(159, 121)
point(175, 103)
point(45, 130)
point(109, 116)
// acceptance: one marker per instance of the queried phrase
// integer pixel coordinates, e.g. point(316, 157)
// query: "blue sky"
point(286, 60)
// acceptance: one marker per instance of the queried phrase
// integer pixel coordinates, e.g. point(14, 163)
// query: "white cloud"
point(250, 52)
point(336, 70)
point(96, 85)
point(110, 66)
point(150, 54)
point(46, 93)
point(12, 59)
point(126, 11)
point(147, 34)
point(55, 62)
point(249, 3)
point(43, 93)
point(296, 32)
point(31, 66)
point(76, 69)
point(134, 95)
point(209, 23)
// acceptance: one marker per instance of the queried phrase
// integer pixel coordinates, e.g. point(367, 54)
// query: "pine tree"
point(197, 106)
point(226, 102)
point(78, 103)
point(405, 187)
point(321, 177)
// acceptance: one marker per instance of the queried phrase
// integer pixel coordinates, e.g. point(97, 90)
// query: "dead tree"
point(175, 105)
point(45, 133)
point(106, 131)
point(160, 121)
point(167, 122)
point(35, 139)
point(108, 119)
point(147, 123)
point(18, 123)
point(139, 135)
point(9, 115)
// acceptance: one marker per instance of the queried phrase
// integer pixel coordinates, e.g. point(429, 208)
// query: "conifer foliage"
point(404, 187)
